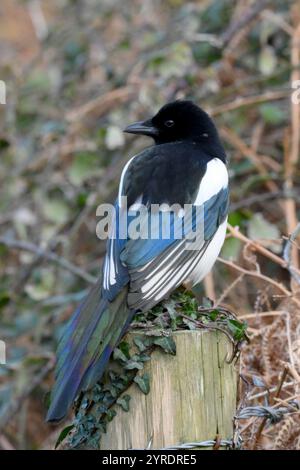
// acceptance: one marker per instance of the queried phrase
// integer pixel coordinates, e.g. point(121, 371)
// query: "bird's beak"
point(143, 128)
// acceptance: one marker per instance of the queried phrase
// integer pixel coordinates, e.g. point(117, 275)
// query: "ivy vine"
point(96, 408)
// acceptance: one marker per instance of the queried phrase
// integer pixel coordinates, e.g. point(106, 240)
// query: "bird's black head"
point(177, 121)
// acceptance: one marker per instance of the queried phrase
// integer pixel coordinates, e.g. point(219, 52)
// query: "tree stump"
point(192, 396)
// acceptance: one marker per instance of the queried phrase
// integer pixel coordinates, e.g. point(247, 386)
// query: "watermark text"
point(2, 92)
point(296, 93)
point(157, 222)
point(2, 352)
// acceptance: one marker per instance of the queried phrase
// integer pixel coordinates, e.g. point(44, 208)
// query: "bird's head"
point(176, 121)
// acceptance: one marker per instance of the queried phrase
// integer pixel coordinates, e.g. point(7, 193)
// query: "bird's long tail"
point(85, 348)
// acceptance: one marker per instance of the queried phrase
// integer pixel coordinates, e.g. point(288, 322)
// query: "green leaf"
point(207, 303)
point(189, 324)
point(143, 382)
point(110, 415)
point(167, 343)
point(125, 348)
point(205, 53)
point(237, 218)
point(56, 210)
point(134, 365)
point(101, 409)
point(259, 228)
point(139, 343)
point(213, 315)
point(144, 357)
point(119, 355)
point(170, 306)
point(215, 16)
point(83, 167)
point(238, 329)
point(272, 114)
point(63, 435)
point(171, 64)
point(124, 402)
point(4, 298)
point(267, 60)
point(231, 249)
point(113, 390)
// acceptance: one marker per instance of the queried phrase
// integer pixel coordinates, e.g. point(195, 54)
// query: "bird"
point(186, 166)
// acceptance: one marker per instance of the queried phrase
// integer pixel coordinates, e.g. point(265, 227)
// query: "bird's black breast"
point(168, 173)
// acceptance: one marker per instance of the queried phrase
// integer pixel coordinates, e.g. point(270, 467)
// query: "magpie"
point(185, 167)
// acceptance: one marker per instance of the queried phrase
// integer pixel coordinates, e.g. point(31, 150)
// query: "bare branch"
point(48, 255)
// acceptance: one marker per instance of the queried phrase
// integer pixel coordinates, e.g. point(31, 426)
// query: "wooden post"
point(192, 396)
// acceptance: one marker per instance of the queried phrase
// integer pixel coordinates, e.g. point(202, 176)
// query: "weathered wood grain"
point(192, 396)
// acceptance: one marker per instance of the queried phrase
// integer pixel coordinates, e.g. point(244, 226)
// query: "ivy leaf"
point(125, 348)
point(94, 441)
point(213, 315)
point(119, 355)
point(133, 365)
point(237, 329)
point(124, 402)
point(189, 324)
point(167, 343)
point(112, 389)
point(63, 435)
point(110, 415)
point(143, 382)
point(170, 306)
point(139, 344)
point(101, 409)
point(102, 427)
point(144, 357)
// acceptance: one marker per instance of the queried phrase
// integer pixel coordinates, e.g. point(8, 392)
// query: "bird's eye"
point(169, 123)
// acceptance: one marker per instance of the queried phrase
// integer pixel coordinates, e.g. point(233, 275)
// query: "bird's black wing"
point(171, 174)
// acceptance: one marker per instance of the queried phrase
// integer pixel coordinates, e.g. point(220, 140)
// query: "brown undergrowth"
point(77, 73)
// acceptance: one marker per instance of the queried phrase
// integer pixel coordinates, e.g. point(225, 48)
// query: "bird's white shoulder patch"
point(215, 178)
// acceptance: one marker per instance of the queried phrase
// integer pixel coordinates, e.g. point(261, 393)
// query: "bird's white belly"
point(208, 259)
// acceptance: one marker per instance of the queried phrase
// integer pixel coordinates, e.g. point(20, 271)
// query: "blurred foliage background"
point(77, 72)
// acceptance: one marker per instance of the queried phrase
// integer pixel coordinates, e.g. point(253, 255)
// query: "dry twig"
point(47, 255)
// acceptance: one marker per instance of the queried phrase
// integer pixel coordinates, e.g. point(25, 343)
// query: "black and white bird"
point(185, 167)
